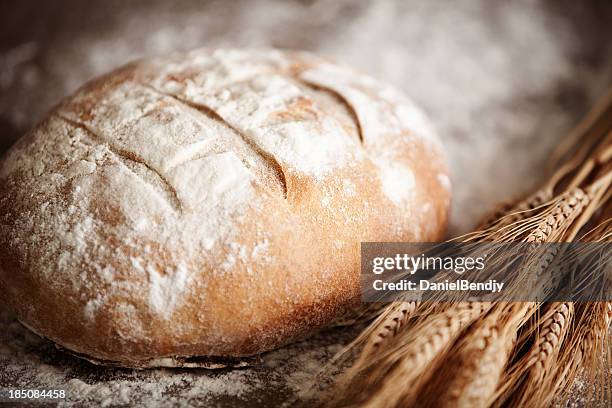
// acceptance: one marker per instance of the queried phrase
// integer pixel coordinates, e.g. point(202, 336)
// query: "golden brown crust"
point(210, 204)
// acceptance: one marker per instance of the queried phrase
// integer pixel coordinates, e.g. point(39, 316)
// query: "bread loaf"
point(210, 204)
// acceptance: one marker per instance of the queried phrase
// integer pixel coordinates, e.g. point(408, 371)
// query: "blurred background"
point(503, 82)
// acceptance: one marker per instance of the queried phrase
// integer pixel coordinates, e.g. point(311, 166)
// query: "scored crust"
point(210, 204)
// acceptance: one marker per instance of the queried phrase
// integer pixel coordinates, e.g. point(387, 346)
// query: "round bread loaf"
point(210, 204)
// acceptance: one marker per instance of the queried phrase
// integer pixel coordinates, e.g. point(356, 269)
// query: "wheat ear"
point(584, 138)
point(511, 213)
point(549, 339)
point(407, 360)
point(523, 382)
point(566, 209)
point(389, 324)
point(379, 333)
point(468, 376)
point(587, 351)
point(545, 223)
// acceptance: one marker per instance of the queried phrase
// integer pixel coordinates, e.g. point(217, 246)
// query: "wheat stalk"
point(483, 352)
point(469, 375)
point(421, 344)
point(379, 333)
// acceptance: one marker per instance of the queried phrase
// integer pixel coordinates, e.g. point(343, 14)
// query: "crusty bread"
point(210, 204)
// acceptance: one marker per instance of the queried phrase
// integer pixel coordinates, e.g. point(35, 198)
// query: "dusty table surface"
point(503, 82)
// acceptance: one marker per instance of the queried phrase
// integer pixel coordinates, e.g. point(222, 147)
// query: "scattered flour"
point(26, 360)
